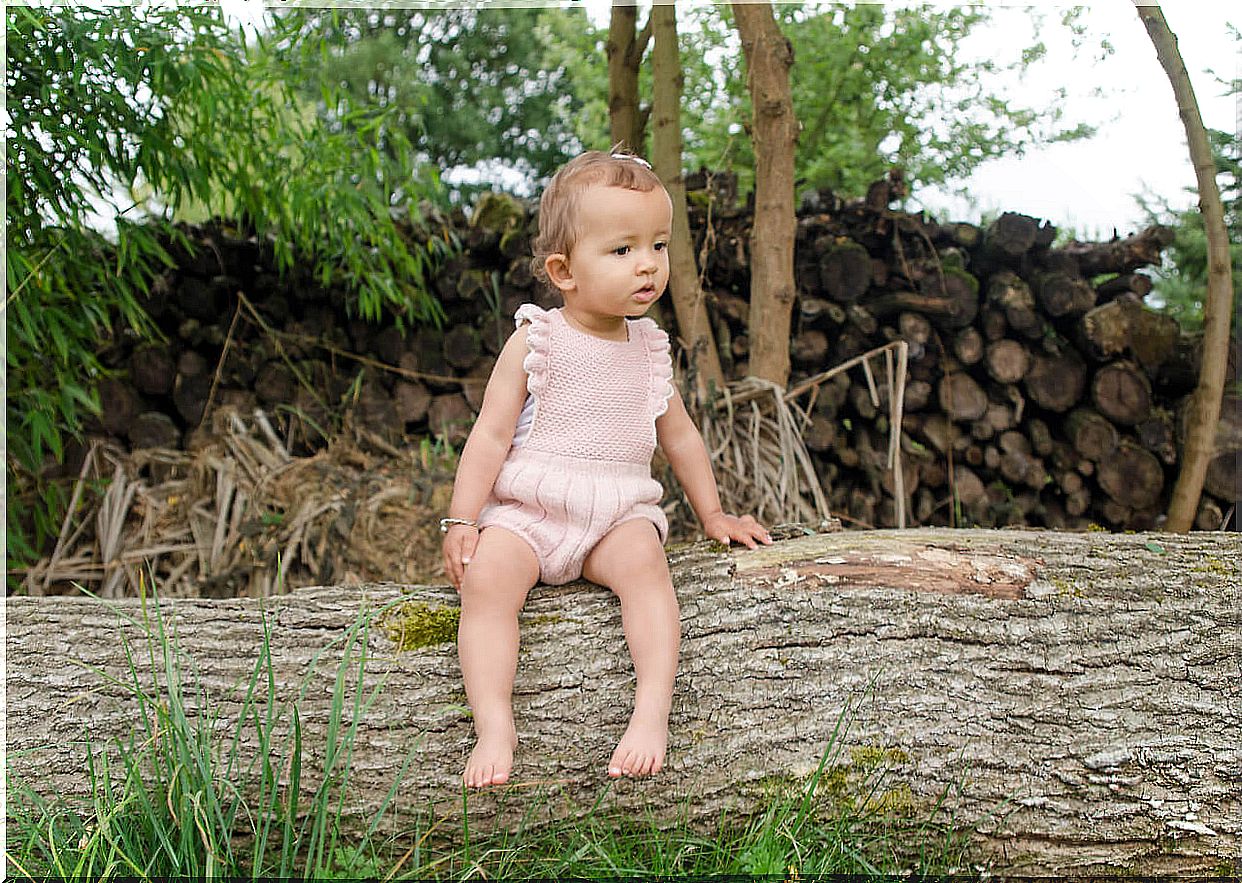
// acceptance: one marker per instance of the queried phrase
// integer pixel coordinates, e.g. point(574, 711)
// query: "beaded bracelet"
point(445, 522)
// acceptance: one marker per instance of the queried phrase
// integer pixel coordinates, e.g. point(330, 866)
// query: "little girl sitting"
point(555, 479)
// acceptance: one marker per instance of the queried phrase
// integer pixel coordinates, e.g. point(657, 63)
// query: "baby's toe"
point(619, 765)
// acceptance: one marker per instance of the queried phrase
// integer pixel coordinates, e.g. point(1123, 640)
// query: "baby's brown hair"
point(558, 206)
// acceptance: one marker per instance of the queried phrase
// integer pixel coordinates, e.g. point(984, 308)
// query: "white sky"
point(1141, 146)
point(1088, 186)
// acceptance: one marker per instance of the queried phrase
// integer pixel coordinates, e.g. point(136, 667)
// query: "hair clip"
point(637, 159)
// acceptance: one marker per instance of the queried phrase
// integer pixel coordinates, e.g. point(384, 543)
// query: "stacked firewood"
point(1041, 390)
point(239, 335)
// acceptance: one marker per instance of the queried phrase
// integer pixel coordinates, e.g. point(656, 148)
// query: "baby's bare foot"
point(641, 750)
point(491, 761)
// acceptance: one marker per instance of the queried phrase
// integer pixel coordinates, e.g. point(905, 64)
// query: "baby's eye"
point(660, 246)
point(621, 250)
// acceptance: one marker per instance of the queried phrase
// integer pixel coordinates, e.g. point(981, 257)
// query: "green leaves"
point(872, 86)
point(1181, 284)
point(468, 86)
point(122, 117)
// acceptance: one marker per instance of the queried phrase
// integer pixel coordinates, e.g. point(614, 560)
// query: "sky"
point(1090, 187)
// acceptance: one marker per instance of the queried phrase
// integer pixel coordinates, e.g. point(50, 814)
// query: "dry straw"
point(754, 435)
point(221, 521)
point(241, 516)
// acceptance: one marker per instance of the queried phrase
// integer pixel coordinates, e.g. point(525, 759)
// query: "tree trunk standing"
point(1073, 695)
point(774, 130)
point(687, 295)
point(627, 118)
point(1218, 305)
point(625, 51)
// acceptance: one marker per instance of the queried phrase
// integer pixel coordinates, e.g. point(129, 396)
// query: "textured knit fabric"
point(584, 465)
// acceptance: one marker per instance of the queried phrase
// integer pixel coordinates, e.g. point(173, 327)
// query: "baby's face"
point(619, 265)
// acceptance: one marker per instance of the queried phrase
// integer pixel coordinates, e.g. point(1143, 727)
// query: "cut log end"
point(1132, 477)
point(1122, 393)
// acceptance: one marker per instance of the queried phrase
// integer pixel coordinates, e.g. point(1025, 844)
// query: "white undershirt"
point(525, 419)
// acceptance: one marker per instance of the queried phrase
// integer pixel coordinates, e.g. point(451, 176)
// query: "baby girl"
point(555, 479)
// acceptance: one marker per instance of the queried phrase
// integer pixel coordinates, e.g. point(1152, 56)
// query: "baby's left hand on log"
point(745, 530)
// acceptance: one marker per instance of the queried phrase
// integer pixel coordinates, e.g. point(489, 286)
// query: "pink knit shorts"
point(563, 506)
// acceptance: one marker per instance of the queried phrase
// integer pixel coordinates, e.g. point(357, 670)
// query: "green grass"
point(180, 797)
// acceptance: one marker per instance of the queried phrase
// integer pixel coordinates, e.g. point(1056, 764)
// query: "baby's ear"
point(557, 268)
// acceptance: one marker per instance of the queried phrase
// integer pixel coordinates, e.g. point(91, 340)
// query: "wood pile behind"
point(1041, 389)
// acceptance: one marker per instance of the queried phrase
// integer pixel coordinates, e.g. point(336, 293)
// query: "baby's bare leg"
point(630, 560)
point(501, 572)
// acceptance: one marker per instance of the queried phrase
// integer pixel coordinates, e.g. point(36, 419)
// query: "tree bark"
point(1218, 305)
point(1127, 283)
point(1073, 695)
point(769, 57)
point(693, 326)
point(625, 51)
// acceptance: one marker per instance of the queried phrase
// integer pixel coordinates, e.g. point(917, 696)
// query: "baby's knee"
point(650, 563)
point(491, 588)
point(648, 581)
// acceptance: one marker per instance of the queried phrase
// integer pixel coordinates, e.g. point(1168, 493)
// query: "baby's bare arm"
point(484, 454)
point(492, 435)
point(682, 444)
point(679, 438)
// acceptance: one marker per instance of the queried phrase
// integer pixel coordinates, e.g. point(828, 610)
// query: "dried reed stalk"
point(753, 431)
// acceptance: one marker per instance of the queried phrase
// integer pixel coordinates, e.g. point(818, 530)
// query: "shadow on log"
point(1073, 698)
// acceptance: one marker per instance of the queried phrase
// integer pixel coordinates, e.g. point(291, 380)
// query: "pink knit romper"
point(585, 465)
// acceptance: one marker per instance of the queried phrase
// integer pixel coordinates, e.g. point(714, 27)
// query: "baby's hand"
point(745, 530)
point(458, 549)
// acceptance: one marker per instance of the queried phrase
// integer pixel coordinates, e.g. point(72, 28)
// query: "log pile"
point(240, 336)
point(1041, 390)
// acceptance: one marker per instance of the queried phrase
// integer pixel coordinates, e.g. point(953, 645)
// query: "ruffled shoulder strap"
point(538, 337)
point(531, 313)
point(660, 356)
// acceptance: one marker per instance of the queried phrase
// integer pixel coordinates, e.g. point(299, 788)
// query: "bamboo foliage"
point(190, 116)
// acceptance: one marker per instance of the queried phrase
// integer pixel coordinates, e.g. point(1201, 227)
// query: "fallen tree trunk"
point(1072, 697)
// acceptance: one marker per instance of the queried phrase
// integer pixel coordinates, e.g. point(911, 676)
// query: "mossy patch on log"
point(413, 625)
point(1212, 564)
point(854, 785)
point(968, 279)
